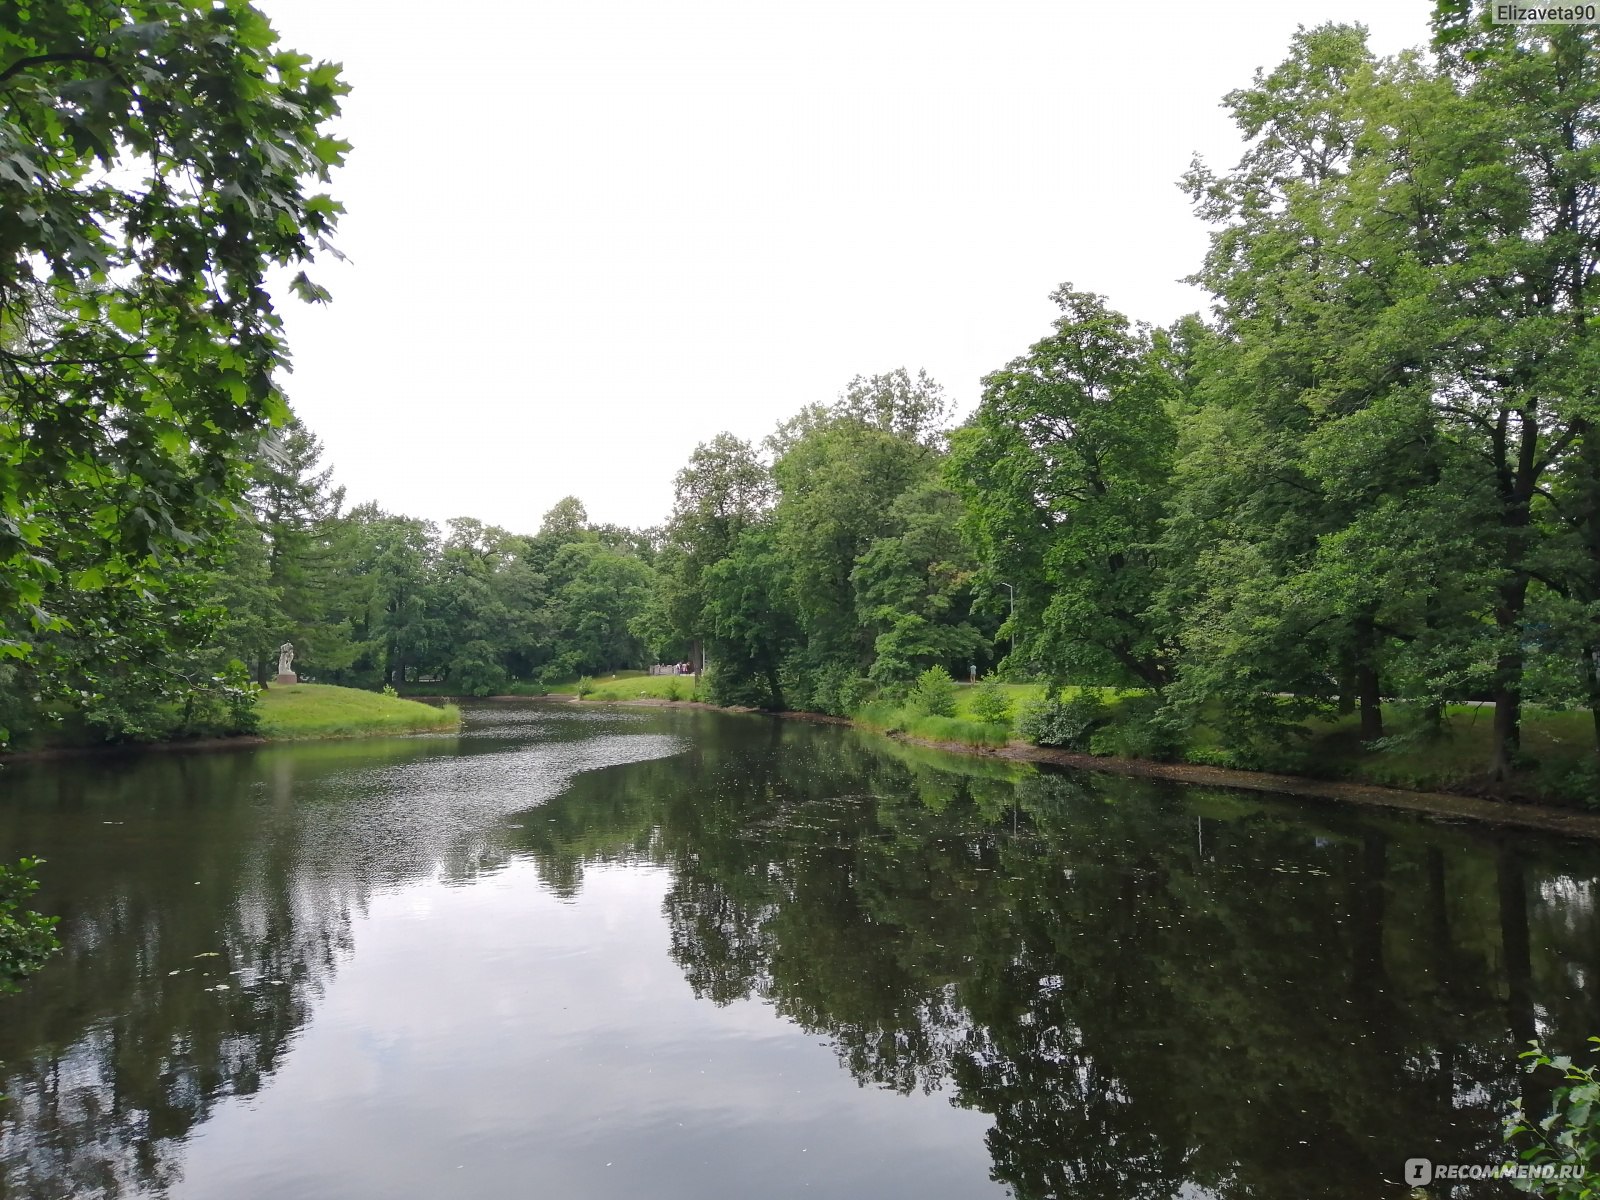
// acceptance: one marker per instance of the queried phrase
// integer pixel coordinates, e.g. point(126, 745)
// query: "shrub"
point(1575, 784)
point(477, 673)
point(1141, 728)
point(838, 690)
point(674, 690)
point(1568, 1137)
point(934, 694)
point(1066, 723)
point(26, 937)
point(730, 688)
point(990, 703)
point(129, 717)
point(585, 687)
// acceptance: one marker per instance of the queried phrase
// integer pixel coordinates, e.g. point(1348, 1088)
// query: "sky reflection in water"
point(586, 954)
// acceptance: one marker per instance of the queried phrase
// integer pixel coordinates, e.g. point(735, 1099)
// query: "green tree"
point(595, 606)
point(1064, 469)
point(153, 165)
point(839, 472)
point(467, 610)
point(913, 589)
point(753, 626)
point(724, 490)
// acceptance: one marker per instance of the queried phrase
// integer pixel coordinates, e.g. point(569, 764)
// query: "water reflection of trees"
point(1142, 989)
point(189, 963)
point(198, 942)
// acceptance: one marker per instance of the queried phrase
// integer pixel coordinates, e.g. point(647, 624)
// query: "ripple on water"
point(401, 821)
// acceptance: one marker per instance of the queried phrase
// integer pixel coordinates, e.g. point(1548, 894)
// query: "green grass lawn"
point(636, 685)
point(316, 710)
point(1020, 695)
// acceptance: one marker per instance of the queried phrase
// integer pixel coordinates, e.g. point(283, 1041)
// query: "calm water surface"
point(674, 954)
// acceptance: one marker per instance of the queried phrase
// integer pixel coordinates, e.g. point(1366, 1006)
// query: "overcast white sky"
point(586, 235)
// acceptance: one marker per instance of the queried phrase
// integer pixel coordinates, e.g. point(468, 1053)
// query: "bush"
point(731, 688)
point(1068, 724)
point(26, 937)
point(1141, 728)
point(585, 687)
point(990, 703)
point(1578, 785)
point(130, 717)
point(934, 694)
point(1568, 1137)
point(674, 689)
point(837, 690)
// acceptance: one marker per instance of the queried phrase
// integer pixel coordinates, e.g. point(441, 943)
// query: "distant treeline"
point(1371, 473)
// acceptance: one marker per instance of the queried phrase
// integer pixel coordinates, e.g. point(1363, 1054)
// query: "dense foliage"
point(154, 163)
point(26, 937)
point(1567, 1138)
point(1366, 483)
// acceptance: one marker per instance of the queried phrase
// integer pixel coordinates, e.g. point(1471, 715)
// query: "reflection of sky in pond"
point(668, 953)
point(587, 1069)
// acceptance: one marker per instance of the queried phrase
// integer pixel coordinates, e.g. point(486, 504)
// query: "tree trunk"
point(1508, 680)
point(1366, 680)
point(1371, 703)
point(1591, 662)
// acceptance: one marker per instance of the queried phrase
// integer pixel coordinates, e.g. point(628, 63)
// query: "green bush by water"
point(884, 718)
point(934, 694)
point(1567, 1139)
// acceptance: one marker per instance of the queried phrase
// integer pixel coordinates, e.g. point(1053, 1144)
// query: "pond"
point(668, 953)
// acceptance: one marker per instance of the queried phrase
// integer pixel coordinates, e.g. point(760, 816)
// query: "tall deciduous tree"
point(154, 157)
point(839, 472)
point(1064, 468)
point(723, 490)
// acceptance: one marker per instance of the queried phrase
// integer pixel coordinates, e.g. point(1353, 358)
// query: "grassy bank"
point(634, 685)
point(1558, 747)
point(315, 710)
point(962, 731)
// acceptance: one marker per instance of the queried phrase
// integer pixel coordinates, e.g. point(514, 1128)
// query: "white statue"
point(285, 657)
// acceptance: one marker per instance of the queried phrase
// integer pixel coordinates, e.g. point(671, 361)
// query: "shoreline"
point(1448, 805)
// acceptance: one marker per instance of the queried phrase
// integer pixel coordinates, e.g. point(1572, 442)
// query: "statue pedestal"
point(289, 677)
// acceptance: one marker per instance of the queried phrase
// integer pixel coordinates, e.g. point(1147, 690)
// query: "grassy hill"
point(316, 710)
